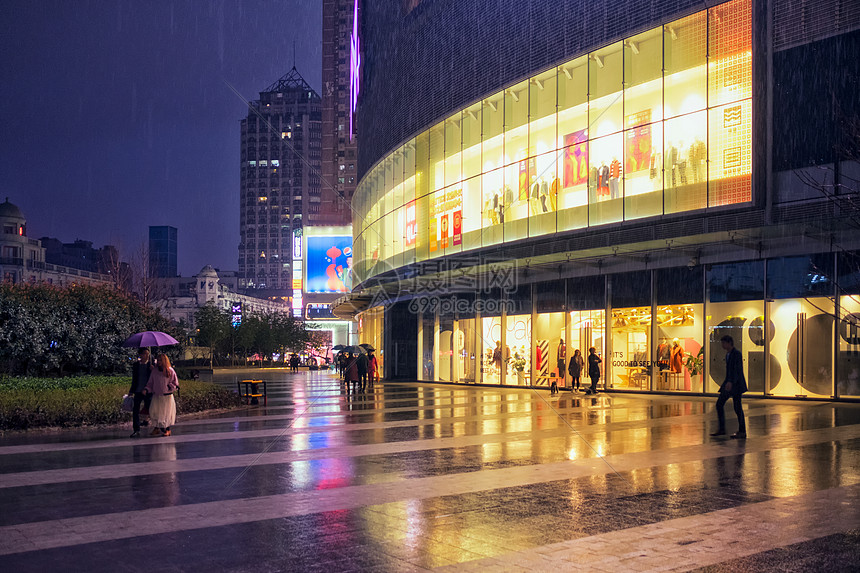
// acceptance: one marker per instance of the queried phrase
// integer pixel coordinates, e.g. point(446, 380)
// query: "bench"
point(253, 392)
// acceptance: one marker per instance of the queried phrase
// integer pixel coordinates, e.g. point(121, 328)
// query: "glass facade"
point(795, 320)
point(658, 123)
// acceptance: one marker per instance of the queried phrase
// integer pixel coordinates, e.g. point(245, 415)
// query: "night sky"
point(117, 114)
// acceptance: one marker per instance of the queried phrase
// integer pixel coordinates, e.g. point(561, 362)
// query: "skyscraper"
point(339, 150)
point(280, 181)
point(162, 252)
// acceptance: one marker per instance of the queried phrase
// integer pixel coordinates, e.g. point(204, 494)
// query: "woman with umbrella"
point(141, 372)
point(162, 384)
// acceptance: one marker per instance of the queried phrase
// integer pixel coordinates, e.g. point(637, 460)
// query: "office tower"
point(339, 150)
point(280, 181)
point(162, 252)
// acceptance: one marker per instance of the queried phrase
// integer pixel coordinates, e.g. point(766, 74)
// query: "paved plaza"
point(417, 477)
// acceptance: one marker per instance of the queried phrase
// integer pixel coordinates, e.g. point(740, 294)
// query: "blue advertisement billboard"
point(327, 263)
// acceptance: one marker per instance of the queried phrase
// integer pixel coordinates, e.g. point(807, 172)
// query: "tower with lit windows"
point(279, 181)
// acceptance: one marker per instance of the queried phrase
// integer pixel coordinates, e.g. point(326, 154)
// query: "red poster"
point(576, 158)
point(445, 231)
point(458, 227)
point(638, 144)
point(411, 224)
point(524, 180)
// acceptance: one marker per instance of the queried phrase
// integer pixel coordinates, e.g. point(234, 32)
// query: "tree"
point(46, 329)
point(213, 327)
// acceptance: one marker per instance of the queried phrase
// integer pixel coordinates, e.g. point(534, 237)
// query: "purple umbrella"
point(150, 338)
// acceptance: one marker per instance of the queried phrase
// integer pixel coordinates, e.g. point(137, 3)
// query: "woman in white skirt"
point(162, 383)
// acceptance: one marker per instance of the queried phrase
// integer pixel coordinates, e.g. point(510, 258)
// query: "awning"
point(347, 306)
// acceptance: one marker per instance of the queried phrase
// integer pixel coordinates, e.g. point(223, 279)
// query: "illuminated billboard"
point(328, 260)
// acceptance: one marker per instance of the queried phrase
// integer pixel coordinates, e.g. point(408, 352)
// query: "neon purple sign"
point(354, 64)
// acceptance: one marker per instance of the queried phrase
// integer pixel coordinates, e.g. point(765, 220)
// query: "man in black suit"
point(733, 387)
point(139, 379)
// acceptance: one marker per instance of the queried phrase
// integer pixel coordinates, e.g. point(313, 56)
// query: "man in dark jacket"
point(733, 387)
point(139, 379)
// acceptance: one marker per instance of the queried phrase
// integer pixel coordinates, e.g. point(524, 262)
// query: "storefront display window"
point(493, 213)
point(493, 355)
point(605, 80)
point(802, 318)
point(685, 163)
point(736, 308)
point(642, 167)
point(370, 331)
point(518, 341)
point(630, 356)
point(685, 45)
point(848, 284)
point(543, 199)
point(472, 141)
point(605, 184)
point(656, 123)
point(678, 354)
point(453, 150)
point(427, 348)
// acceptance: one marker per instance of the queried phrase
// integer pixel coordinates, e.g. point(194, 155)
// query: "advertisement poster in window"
point(442, 210)
point(528, 170)
point(328, 262)
point(638, 142)
point(576, 158)
point(411, 230)
point(434, 243)
point(445, 231)
point(458, 228)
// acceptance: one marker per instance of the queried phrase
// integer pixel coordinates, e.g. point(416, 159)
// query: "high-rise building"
point(339, 151)
point(162, 252)
point(280, 181)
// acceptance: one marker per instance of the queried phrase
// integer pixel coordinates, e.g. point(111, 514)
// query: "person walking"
point(373, 367)
point(733, 387)
point(139, 379)
point(350, 370)
point(162, 384)
point(575, 370)
point(363, 365)
point(593, 369)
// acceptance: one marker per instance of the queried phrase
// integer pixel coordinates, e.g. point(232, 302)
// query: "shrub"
point(89, 400)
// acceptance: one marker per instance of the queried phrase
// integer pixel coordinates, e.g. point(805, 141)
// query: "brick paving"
point(417, 477)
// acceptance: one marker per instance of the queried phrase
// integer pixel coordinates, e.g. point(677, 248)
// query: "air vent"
point(808, 212)
point(679, 229)
point(745, 220)
point(628, 236)
point(798, 22)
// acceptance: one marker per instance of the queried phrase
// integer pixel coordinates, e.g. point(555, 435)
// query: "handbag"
point(127, 403)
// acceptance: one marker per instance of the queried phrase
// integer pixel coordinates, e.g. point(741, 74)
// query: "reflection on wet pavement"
point(416, 476)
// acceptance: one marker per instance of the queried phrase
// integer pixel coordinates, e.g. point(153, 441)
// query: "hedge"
point(90, 400)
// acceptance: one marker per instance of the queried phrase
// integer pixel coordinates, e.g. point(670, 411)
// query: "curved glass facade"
point(655, 124)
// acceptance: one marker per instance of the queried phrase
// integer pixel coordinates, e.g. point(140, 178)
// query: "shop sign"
point(411, 229)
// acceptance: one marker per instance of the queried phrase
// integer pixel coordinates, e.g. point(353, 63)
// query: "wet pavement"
point(416, 477)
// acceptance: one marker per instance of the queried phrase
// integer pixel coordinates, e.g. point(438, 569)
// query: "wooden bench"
point(253, 392)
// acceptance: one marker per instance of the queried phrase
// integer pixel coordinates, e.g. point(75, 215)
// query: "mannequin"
point(676, 363)
point(671, 160)
point(561, 355)
point(544, 195)
point(592, 184)
point(614, 175)
point(603, 180)
point(697, 155)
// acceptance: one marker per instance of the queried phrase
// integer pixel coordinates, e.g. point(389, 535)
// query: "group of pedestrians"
point(576, 366)
point(358, 369)
point(153, 385)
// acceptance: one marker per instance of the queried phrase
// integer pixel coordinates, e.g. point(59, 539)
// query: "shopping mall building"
point(638, 177)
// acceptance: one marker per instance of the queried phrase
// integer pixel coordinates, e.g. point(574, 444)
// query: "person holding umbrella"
point(142, 369)
point(163, 382)
point(139, 379)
